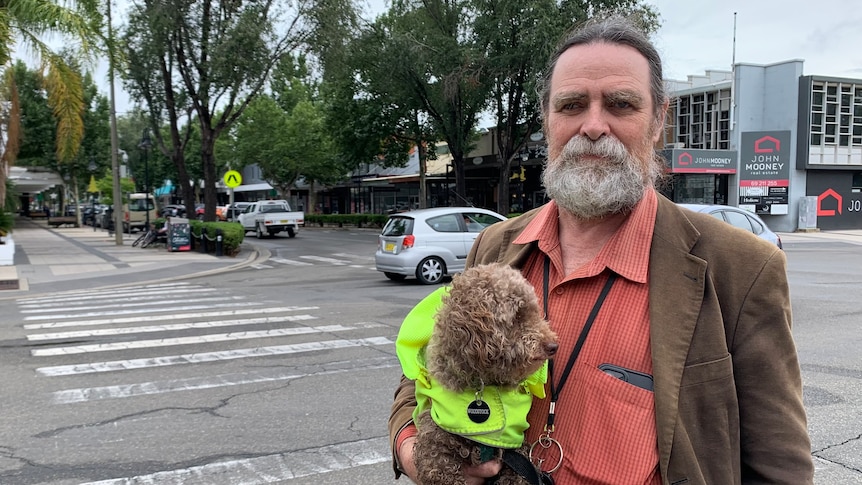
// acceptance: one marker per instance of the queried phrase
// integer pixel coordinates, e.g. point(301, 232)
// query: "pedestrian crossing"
point(108, 345)
point(358, 261)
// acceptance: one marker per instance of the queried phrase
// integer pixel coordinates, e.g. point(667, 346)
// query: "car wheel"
point(200, 217)
point(291, 232)
point(430, 271)
point(395, 276)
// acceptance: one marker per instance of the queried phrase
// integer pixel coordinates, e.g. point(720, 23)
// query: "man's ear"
point(658, 131)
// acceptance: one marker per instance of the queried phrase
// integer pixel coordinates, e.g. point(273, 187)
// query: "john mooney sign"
point(701, 161)
point(764, 172)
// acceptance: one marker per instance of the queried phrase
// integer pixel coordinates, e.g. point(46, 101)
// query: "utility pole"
point(115, 164)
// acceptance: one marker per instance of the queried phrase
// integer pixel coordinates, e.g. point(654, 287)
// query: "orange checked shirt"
point(606, 427)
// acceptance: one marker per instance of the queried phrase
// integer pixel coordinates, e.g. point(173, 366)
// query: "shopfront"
point(699, 176)
point(839, 198)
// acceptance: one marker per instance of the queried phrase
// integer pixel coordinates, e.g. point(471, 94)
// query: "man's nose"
point(595, 123)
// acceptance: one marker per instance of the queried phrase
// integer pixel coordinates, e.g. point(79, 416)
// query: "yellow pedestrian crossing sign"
point(232, 179)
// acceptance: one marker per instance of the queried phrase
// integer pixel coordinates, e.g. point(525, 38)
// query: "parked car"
point(173, 210)
point(88, 215)
point(233, 211)
point(220, 212)
point(137, 210)
point(430, 243)
point(740, 218)
point(107, 218)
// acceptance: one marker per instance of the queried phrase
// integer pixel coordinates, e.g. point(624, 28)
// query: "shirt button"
point(558, 291)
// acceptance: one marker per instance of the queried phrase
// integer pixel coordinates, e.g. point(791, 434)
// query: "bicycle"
point(147, 238)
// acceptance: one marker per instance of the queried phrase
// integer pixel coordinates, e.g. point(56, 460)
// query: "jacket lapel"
point(676, 285)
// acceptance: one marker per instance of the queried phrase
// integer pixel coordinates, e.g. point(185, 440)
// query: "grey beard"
point(590, 189)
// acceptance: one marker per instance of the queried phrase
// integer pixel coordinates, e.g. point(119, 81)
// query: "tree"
point(439, 68)
point(26, 21)
point(153, 79)
point(224, 52)
point(366, 122)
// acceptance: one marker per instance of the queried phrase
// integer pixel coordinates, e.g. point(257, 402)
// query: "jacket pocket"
point(707, 371)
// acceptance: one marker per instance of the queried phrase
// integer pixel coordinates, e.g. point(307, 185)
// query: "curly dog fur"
point(489, 332)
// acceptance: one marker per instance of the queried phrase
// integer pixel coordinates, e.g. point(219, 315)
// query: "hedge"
point(341, 220)
point(232, 236)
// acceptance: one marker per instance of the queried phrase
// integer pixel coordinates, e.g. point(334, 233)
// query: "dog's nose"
point(551, 348)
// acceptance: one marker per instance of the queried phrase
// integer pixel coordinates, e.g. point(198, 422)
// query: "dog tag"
point(478, 411)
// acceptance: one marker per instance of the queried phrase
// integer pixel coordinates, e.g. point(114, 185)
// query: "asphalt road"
point(283, 372)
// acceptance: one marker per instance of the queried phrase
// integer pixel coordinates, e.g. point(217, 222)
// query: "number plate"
point(389, 247)
point(283, 221)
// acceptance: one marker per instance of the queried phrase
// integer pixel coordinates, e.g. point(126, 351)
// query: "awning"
point(253, 187)
point(33, 179)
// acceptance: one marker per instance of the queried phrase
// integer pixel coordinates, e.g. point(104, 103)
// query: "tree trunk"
point(208, 161)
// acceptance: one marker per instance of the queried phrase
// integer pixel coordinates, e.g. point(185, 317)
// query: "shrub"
point(358, 220)
point(232, 236)
point(7, 222)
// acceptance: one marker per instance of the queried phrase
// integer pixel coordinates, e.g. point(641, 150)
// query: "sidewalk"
point(58, 259)
point(851, 236)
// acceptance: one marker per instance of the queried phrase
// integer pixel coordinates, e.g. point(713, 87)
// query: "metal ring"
point(546, 442)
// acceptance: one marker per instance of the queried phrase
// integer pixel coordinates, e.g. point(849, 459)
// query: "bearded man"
point(676, 363)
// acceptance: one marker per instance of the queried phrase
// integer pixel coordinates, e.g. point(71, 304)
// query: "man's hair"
point(612, 30)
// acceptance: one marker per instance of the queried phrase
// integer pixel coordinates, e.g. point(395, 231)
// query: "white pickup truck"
point(270, 217)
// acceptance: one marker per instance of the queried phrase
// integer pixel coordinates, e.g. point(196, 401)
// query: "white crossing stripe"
point(163, 301)
point(199, 339)
point(365, 257)
point(155, 294)
point(133, 289)
point(123, 391)
point(337, 262)
point(119, 365)
point(261, 266)
point(270, 468)
point(222, 313)
point(290, 262)
point(166, 328)
point(144, 310)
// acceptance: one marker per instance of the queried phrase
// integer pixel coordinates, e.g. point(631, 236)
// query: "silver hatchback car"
point(430, 243)
point(740, 218)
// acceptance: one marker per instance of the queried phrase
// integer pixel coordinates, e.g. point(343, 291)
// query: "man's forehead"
point(609, 67)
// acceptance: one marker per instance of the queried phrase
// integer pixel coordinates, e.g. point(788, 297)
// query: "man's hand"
point(474, 475)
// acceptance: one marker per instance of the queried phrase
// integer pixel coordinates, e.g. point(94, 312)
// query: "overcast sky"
point(698, 35)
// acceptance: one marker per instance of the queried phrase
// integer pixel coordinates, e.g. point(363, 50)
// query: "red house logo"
point(766, 140)
point(827, 194)
point(684, 158)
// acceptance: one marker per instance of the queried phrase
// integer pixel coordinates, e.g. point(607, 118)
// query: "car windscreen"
point(273, 208)
point(398, 226)
point(141, 205)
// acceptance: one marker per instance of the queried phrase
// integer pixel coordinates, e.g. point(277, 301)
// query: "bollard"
point(203, 244)
point(218, 247)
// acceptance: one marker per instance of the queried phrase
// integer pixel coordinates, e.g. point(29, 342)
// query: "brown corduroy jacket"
point(728, 390)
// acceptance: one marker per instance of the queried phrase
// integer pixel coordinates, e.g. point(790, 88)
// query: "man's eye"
point(621, 105)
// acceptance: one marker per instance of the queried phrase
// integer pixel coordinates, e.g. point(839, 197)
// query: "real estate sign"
point(764, 172)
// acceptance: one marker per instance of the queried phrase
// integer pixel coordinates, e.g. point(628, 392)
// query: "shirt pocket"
point(613, 439)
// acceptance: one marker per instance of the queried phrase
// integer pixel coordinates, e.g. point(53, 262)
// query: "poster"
point(179, 235)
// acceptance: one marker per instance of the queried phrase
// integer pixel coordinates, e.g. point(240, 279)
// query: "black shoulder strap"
point(522, 466)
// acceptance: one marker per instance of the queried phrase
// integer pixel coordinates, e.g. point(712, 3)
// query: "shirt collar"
point(626, 253)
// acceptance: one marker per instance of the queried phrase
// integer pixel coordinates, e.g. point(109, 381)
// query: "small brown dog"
point(485, 361)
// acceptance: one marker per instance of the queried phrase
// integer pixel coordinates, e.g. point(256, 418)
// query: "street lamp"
point(92, 167)
point(145, 146)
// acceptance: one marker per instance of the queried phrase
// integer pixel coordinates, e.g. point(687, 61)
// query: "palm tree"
point(26, 22)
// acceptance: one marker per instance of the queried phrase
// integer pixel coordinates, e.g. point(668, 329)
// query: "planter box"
point(7, 252)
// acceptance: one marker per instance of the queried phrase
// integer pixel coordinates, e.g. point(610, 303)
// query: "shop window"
point(856, 184)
